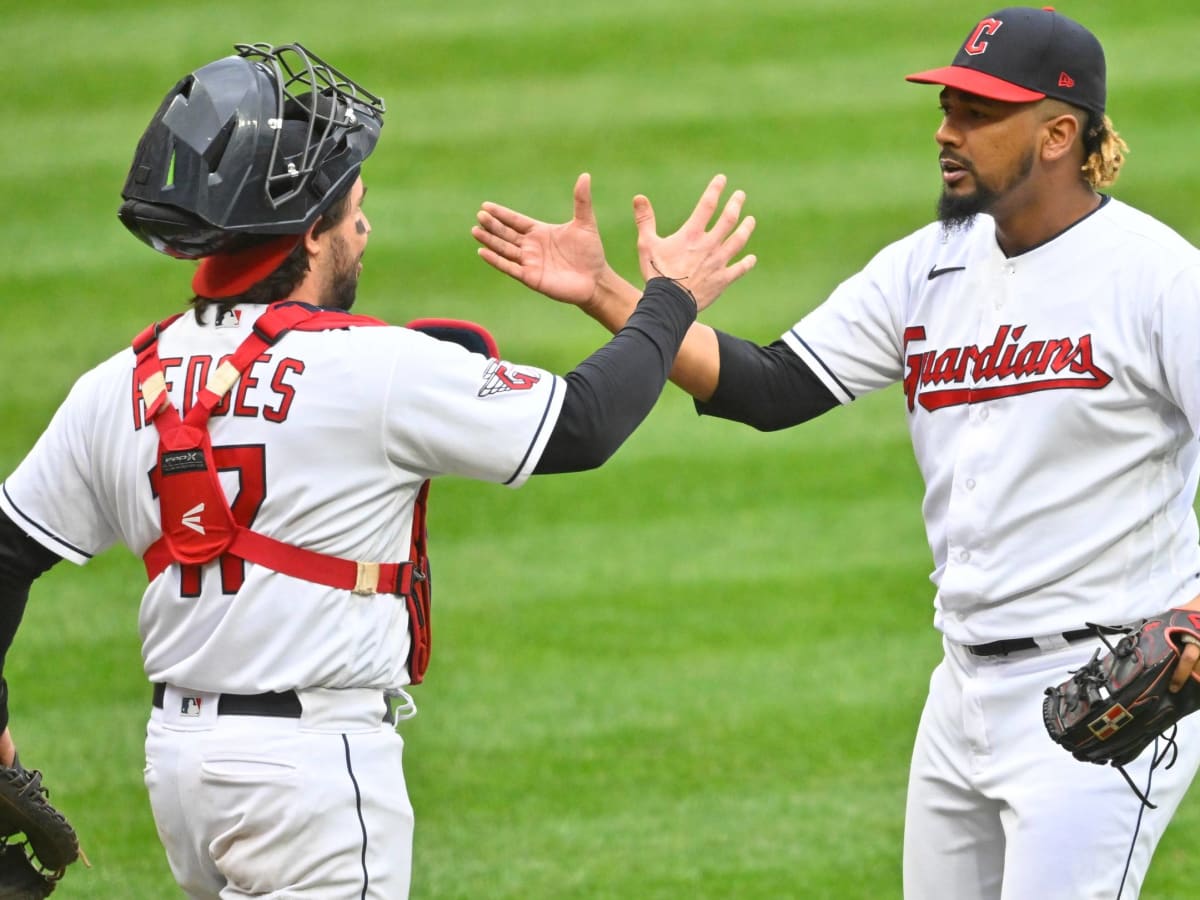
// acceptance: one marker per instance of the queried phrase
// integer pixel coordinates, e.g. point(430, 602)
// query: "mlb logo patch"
point(1111, 722)
point(190, 706)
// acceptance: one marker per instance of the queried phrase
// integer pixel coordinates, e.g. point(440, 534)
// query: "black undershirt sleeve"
point(612, 391)
point(22, 560)
point(768, 387)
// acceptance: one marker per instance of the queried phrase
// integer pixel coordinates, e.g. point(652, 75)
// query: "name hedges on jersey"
point(246, 399)
point(956, 375)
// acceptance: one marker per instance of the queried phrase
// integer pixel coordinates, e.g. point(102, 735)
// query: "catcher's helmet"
point(247, 148)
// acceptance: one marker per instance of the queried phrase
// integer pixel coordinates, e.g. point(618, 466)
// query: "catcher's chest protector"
point(198, 524)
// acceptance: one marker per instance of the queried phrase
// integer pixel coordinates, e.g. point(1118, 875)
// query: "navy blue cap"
point(1021, 54)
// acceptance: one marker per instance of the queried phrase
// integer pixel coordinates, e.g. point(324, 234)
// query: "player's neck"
point(1031, 224)
point(309, 290)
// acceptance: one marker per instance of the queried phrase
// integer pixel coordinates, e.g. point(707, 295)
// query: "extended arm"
point(22, 560)
point(766, 387)
point(613, 390)
point(697, 366)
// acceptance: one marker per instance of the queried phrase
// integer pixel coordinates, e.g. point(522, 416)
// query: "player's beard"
point(957, 212)
point(343, 282)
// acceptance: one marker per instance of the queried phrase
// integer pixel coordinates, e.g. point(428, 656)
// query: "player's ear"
point(311, 242)
point(1059, 135)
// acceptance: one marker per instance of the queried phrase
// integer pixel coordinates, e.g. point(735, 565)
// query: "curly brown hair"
point(1104, 151)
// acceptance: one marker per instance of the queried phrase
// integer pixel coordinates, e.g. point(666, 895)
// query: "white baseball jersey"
point(324, 442)
point(1053, 400)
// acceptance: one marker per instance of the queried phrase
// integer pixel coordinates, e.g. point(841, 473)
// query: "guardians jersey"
point(1053, 400)
point(323, 443)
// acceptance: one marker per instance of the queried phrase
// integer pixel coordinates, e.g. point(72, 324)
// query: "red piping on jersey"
point(198, 524)
point(460, 331)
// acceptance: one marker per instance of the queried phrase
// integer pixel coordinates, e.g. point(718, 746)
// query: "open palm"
point(563, 261)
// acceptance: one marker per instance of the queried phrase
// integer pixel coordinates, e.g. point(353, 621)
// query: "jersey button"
point(970, 484)
point(964, 556)
point(983, 414)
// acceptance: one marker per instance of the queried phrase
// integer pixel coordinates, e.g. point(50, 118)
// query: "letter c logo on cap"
point(975, 44)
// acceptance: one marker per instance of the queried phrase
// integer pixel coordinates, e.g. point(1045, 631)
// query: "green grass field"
point(693, 673)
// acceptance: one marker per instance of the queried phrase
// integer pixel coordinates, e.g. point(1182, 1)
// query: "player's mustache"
point(949, 156)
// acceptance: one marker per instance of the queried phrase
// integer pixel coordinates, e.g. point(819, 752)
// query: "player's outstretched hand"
point(563, 261)
point(696, 257)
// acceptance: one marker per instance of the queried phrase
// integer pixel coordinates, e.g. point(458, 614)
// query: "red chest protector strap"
point(198, 524)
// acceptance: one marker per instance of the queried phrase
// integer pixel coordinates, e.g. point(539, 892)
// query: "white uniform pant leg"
point(314, 808)
point(1063, 829)
point(953, 840)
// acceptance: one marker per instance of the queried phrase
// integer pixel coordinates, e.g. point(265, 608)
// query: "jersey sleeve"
point(50, 495)
point(454, 412)
point(853, 340)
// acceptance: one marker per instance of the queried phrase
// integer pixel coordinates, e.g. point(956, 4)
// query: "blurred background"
point(695, 672)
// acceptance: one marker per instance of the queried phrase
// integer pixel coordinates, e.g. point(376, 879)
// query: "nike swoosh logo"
point(934, 272)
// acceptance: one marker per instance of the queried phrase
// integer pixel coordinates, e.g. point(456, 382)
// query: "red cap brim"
point(229, 274)
point(975, 82)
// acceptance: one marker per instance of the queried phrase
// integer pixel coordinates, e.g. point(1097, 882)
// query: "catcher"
point(37, 843)
point(271, 470)
point(1111, 709)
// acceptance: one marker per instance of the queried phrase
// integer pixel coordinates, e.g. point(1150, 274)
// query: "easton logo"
point(191, 518)
point(498, 378)
point(958, 375)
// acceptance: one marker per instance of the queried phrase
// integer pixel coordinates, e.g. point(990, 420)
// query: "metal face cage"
point(328, 99)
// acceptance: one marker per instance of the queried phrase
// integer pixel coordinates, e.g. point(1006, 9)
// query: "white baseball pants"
point(998, 811)
point(311, 808)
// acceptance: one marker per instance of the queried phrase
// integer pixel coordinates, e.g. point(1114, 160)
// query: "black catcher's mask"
point(248, 148)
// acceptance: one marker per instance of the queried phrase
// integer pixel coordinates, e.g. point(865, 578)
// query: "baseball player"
point(1043, 334)
point(267, 453)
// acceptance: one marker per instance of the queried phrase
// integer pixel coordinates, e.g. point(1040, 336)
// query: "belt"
point(281, 704)
point(1014, 645)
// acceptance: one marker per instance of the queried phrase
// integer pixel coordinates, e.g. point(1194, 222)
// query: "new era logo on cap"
point(1021, 54)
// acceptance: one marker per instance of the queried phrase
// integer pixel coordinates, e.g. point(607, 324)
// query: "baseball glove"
point(1110, 710)
point(31, 868)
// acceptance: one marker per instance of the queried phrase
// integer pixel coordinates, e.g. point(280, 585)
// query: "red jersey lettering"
point(958, 375)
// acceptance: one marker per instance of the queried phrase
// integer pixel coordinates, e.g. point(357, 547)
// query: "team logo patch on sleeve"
point(501, 376)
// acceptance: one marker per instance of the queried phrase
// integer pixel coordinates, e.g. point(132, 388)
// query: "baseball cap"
point(1021, 54)
point(228, 274)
